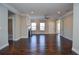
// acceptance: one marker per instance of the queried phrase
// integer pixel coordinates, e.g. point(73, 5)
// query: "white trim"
point(17, 39)
point(67, 14)
point(13, 25)
point(4, 46)
point(11, 8)
point(66, 37)
point(48, 33)
point(23, 37)
point(75, 50)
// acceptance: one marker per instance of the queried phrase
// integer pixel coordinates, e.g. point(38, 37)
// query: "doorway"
point(10, 26)
point(58, 26)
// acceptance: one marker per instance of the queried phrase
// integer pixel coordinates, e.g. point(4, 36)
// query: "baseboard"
point(44, 34)
point(75, 51)
point(4, 46)
point(67, 37)
point(20, 38)
point(23, 37)
point(17, 39)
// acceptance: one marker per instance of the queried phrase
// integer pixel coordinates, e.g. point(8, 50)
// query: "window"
point(42, 26)
point(33, 26)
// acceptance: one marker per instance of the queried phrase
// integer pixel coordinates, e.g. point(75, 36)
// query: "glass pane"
point(33, 24)
point(33, 28)
point(42, 28)
point(42, 24)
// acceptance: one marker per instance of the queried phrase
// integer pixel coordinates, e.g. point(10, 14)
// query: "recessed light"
point(32, 12)
point(58, 12)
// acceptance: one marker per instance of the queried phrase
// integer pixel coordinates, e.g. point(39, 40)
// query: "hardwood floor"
point(39, 45)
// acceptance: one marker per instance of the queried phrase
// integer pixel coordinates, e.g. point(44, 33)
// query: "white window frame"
point(42, 27)
point(33, 26)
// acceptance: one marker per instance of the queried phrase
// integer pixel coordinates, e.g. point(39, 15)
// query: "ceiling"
point(43, 9)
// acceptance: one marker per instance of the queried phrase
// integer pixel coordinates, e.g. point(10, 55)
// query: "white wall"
point(51, 27)
point(23, 27)
point(25, 23)
point(76, 28)
point(3, 26)
point(20, 27)
point(16, 27)
point(67, 26)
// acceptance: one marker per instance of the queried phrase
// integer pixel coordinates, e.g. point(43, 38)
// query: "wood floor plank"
point(39, 45)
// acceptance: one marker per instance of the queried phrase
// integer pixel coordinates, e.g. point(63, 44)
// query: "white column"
point(76, 28)
point(3, 27)
point(28, 24)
